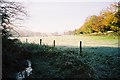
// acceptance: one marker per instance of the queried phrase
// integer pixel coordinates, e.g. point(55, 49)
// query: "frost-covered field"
point(72, 40)
point(101, 53)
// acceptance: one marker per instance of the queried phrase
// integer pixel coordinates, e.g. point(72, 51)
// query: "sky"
point(61, 15)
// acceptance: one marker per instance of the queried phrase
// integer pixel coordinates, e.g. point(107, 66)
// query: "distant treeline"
point(107, 20)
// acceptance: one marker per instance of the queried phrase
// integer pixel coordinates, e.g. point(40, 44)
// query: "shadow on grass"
point(103, 60)
point(93, 62)
point(97, 50)
point(65, 62)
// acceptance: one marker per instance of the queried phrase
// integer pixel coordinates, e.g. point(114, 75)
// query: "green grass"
point(104, 60)
point(109, 38)
point(73, 40)
point(62, 62)
point(99, 57)
point(51, 62)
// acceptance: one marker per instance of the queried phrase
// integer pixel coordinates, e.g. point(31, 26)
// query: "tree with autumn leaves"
point(107, 20)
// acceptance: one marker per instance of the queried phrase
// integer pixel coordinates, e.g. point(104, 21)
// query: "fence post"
point(54, 43)
point(80, 47)
point(40, 41)
point(26, 40)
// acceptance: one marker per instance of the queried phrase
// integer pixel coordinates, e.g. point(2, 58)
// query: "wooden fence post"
point(54, 43)
point(26, 40)
point(40, 41)
point(80, 47)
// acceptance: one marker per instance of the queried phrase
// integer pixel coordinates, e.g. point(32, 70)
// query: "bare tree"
point(10, 12)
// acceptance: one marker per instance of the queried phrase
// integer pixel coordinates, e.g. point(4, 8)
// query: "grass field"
point(101, 53)
point(71, 40)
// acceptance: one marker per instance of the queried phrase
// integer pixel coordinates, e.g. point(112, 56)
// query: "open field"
point(71, 40)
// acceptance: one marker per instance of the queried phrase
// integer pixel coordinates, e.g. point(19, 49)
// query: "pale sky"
point(61, 16)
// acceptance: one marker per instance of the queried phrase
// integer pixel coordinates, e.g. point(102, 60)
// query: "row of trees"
point(107, 20)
